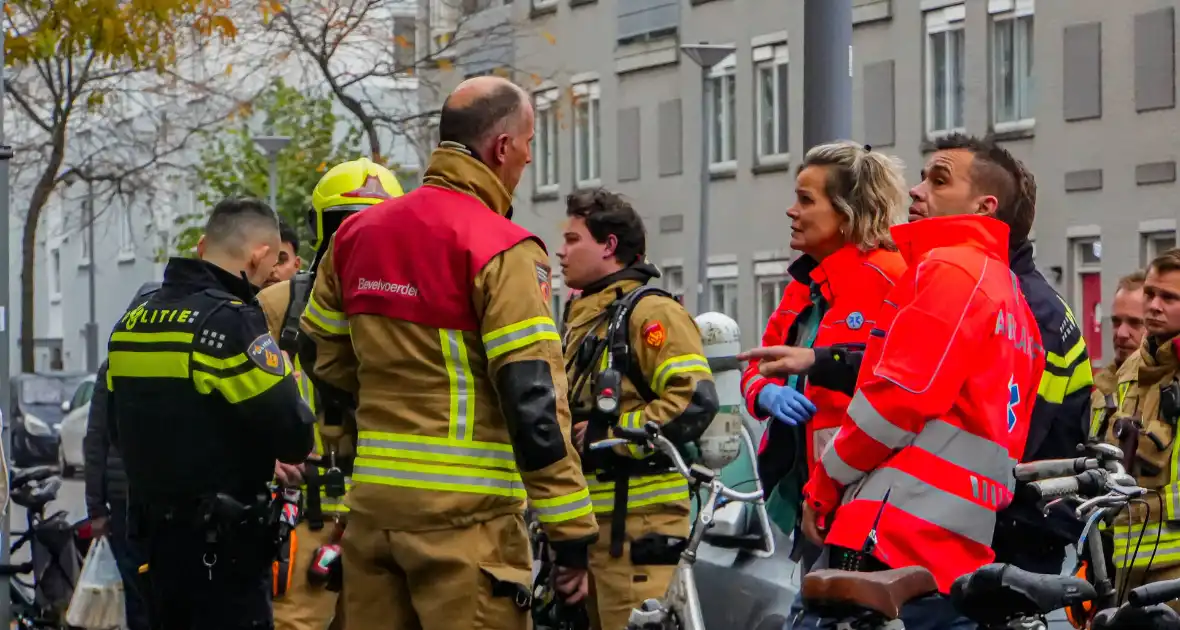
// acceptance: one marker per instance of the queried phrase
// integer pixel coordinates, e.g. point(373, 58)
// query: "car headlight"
point(36, 426)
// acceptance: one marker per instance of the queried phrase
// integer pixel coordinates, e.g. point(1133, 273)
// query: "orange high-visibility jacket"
point(942, 405)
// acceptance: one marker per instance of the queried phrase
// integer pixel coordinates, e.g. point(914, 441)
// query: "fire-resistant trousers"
point(476, 577)
point(617, 584)
point(304, 606)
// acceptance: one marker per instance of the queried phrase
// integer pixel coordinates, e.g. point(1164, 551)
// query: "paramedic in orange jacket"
point(942, 405)
point(847, 196)
point(434, 309)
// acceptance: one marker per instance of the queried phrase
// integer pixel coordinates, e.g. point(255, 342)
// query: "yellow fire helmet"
point(349, 187)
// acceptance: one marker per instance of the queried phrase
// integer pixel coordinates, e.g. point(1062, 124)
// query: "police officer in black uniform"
point(203, 403)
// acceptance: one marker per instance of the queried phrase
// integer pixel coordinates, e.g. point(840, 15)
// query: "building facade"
point(1083, 91)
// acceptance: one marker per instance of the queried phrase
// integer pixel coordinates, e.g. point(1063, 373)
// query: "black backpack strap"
point(300, 289)
point(620, 341)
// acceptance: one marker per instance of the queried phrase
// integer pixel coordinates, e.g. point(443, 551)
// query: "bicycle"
point(680, 607)
point(1001, 596)
point(40, 589)
point(995, 596)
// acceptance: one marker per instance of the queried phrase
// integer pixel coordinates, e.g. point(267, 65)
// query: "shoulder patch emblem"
point(543, 280)
point(264, 352)
point(654, 334)
point(855, 320)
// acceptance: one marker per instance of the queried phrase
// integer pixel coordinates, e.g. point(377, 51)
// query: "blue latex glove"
point(785, 404)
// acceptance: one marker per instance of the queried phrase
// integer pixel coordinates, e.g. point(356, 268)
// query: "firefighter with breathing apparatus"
point(633, 355)
point(307, 574)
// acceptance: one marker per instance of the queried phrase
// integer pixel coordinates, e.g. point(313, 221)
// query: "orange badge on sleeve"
point(654, 334)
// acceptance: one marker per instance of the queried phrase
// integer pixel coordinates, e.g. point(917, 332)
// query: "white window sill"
point(774, 159)
point(1014, 125)
point(547, 189)
point(728, 166)
point(936, 134)
point(544, 4)
point(125, 257)
point(84, 263)
point(55, 298)
point(583, 184)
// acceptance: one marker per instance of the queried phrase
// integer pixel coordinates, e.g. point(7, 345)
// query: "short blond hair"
point(868, 187)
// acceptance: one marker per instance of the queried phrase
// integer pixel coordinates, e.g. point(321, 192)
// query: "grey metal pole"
point(5, 310)
point(274, 181)
point(703, 221)
point(92, 322)
point(827, 71)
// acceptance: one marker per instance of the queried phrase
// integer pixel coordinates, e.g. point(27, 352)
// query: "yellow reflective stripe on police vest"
point(519, 335)
point(677, 365)
point(435, 449)
point(1056, 385)
point(641, 491)
point(148, 363)
point(563, 508)
point(237, 378)
point(433, 477)
point(1150, 544)
point(327, 320)
point(454, 351)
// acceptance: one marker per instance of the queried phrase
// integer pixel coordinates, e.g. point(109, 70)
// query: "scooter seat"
point(882, 592)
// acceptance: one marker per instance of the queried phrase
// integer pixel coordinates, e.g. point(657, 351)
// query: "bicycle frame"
point(680, 607)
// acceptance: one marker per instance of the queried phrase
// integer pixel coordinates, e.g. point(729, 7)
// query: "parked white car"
point(73, 428)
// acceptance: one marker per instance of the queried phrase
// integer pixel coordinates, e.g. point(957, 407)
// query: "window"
point(722, 114)
point(87, 218)
point(55, 274)
point(1154, 244)
point(543, 4)
point(587, 133)
point(771, 85)
point(545, 160)
point(723, 297)
point(945, 68)
point(674, 282)
point(770, 293)
point(1012, 60)
point(126, 242)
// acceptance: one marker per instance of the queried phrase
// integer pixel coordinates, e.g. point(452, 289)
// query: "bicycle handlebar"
point(1089, 483)
point(1154, 593)
point(651, 437)
point(1051, 468)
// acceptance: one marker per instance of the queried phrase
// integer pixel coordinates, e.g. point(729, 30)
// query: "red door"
point(1092, 314)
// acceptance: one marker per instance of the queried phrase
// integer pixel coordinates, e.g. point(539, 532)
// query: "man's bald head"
point(480, 109)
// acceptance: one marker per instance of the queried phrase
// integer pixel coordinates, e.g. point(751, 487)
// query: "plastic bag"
point(98, 603)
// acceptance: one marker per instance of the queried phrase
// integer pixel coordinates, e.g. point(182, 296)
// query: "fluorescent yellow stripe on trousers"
point(677, 365)
point(327, 320)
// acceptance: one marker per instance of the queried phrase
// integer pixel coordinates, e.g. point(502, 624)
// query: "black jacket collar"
point(1020, 259)
point(194, 275)
point(642, 272)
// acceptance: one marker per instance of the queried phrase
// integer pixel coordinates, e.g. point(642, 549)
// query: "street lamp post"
point(92, 322)
point(827, 71)
point(272, 145)
point(5, 303)
point(706, 56)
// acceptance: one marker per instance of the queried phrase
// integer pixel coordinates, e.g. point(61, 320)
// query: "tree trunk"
point(28, 270)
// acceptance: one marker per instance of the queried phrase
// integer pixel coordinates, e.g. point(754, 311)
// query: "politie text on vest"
point(387, 287)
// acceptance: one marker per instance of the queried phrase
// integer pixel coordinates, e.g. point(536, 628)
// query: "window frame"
point(591, 91)
point(1001, 11)
point(936, 22)
point(667, 273)
point(763, 316)
point(723, 75)
point(546, 102)
point(777, 58)
point(1147, 245)
point(126, 236)
point(55, 288)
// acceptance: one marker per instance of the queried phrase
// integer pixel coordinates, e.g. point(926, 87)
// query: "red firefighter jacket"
point(852, 284)
point(942, 405)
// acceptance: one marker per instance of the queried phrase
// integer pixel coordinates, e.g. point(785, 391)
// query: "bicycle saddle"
point(995, 593)
point(883, 592)
point(1158, 617)
point(21, 476)
point(34, 495)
